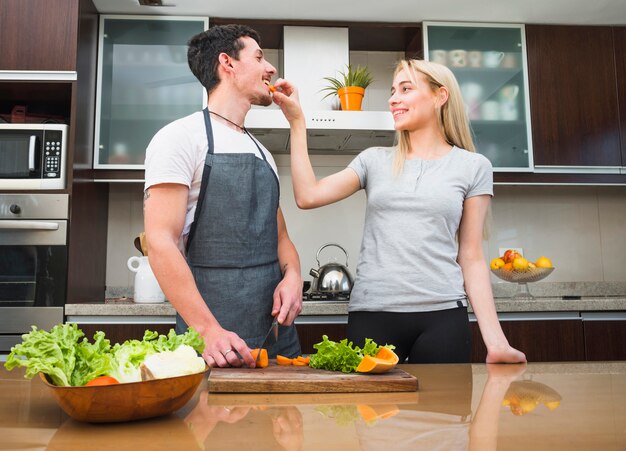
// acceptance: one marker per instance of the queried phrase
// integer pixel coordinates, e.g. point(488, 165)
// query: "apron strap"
point(205, 177)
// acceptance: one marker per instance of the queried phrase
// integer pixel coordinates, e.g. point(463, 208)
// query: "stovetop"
point(316, 296)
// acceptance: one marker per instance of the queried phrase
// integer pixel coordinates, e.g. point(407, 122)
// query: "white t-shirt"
point(177, 152)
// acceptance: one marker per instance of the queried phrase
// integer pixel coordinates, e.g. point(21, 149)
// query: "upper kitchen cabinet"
point(144, 83)
point(575, 110)
point(489, 62)
point(304, 53)
point(38, 35)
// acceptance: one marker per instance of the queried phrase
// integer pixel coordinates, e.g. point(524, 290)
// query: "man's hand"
point(288, 298)
point(224, 348)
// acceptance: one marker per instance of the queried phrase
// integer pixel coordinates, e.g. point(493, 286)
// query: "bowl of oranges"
point(513, 267)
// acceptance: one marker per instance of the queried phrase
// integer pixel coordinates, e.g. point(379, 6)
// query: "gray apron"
point(232, 247)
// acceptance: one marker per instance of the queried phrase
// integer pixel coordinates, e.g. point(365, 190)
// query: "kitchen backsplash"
point(581, 229)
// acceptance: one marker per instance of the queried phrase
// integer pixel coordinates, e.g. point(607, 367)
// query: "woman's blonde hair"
point(452, 117)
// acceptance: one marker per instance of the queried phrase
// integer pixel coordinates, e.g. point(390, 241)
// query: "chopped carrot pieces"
point(263, 361)
point(282, 360)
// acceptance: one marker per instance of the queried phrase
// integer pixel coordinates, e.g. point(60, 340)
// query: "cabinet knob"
point(15, 209)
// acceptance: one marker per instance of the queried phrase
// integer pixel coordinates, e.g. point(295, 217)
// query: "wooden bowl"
point(125, 402)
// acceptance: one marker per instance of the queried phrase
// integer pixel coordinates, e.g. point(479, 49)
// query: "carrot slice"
point(297, 362)
point(282, 360)
point(304, 359)
point(263, 361)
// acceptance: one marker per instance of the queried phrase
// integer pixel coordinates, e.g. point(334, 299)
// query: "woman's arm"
point(310, 192)
point(477, 283)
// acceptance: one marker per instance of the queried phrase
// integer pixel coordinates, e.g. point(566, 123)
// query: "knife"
point(270, 338)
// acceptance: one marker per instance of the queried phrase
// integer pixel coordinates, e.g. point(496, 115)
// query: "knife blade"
point(270, 338)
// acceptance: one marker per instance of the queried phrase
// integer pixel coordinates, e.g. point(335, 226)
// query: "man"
point(211, 194)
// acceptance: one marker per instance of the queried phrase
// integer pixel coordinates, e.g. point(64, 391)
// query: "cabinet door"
point(619, 36)
point(144, 83)
point(540, 340)
point(573, 95)
point(118, 333)
point(489, 64)
point(311, 334)
point(604, 340)
point(38, 35)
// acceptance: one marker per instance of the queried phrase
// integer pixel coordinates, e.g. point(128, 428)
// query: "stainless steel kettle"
point(332, 277)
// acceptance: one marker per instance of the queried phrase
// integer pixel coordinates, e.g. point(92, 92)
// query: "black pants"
point(441, 336)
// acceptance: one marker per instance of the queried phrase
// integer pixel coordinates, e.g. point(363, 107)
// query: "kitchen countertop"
point(477, 407)
point(126, 307)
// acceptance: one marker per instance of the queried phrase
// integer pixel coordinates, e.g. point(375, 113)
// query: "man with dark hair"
point(217, 239)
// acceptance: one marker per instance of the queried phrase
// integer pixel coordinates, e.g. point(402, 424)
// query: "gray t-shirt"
point(408, 259)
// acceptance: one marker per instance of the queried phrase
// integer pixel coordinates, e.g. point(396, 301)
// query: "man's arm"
point(288, 293)
point(165, 207)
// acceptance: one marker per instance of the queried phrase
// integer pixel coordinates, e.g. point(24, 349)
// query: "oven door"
point(33, 276)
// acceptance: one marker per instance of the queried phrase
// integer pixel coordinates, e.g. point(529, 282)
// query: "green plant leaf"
point(353, 76)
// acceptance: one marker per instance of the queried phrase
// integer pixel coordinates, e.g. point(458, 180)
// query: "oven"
point(33, 263)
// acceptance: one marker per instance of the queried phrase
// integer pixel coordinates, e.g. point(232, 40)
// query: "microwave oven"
point(33, 156)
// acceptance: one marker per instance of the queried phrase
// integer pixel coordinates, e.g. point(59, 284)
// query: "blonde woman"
point(421, 256)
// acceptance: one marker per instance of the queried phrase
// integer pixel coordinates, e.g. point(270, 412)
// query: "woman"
point(427, 200)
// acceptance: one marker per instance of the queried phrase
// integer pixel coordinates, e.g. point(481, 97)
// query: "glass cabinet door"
point(144, 83)
point(489, 62)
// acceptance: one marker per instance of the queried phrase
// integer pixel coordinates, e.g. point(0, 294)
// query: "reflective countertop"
point(479, 407)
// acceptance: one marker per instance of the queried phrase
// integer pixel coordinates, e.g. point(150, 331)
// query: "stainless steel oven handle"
point(31, 153)
point(28, 225)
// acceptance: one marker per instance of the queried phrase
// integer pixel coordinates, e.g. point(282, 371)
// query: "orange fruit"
point(543, 262)
point(508, 267)
point(496, 263)
point(520, 264)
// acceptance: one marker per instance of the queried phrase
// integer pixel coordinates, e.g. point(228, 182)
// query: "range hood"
point(309, 55)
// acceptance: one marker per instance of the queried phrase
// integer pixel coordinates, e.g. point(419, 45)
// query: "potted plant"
point(349, 87)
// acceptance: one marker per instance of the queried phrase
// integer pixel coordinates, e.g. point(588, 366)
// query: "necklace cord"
point(243, 129)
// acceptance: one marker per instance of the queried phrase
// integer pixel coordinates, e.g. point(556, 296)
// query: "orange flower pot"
point(351, 98)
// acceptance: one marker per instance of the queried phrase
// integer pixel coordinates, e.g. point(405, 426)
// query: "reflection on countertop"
point(460, 407)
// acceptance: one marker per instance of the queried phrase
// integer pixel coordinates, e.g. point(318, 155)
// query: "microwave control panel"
point(52, 148)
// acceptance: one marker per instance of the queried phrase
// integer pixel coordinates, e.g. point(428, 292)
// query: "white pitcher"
point(147, 289)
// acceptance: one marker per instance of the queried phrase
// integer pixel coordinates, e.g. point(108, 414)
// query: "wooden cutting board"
point(302, 379)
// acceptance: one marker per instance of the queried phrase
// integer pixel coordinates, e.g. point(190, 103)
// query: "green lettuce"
point(52, 353)
point(341, 356)
point(69, 361)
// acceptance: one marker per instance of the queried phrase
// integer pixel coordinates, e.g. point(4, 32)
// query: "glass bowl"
point(522, 278)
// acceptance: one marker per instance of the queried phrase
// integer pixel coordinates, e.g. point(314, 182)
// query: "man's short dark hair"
point(205, 48)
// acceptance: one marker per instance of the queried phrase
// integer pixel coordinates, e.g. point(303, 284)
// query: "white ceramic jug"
point(147, 289)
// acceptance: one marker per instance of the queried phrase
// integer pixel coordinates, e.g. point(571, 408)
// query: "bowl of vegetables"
point(98, 383)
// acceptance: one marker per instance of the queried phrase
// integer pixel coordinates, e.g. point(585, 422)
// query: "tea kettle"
point(332, 277)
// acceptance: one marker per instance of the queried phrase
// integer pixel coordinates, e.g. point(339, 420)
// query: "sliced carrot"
point(263, 361)
point(282, 360)
point(304, 359)
point(297, 362)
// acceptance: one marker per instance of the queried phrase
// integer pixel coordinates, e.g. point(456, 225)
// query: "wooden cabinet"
point(38, 35)
point(310, 334)
point(540, 340)
point(619, 37)
point(118, 333)
point(605, 340)
point(574, 107)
